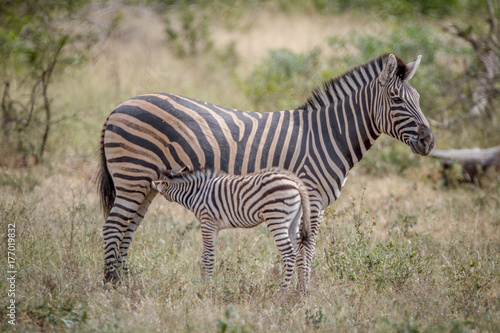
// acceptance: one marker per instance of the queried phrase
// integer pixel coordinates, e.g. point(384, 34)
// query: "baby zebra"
point(221, 201)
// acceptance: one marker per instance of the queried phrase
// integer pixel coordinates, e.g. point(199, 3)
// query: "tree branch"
point(46, 75)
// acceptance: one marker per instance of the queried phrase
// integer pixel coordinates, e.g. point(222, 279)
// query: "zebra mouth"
point(424, 143)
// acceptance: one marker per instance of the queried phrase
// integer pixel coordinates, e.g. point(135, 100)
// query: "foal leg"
point(279, 228)
point(300, 250)
point(209, 235)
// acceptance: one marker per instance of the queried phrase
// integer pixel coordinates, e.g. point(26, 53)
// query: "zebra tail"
point(105, 185)
point(305, 231)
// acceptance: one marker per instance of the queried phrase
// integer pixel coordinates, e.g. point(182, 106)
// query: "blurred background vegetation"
point(44, 41)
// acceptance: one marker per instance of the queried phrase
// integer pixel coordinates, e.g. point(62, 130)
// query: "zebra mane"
point(333, 89)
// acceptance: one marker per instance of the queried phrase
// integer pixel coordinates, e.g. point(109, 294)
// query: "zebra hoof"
point(114, 275)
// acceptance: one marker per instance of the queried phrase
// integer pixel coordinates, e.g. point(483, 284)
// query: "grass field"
point(399, 251)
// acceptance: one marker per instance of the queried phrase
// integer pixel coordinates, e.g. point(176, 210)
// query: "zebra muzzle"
point(424, 143)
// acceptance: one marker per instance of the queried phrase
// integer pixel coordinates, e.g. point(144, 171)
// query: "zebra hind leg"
point(304, 267)
point(280, 232)
point(132, 227)
point(300, 252)
point(123, 212)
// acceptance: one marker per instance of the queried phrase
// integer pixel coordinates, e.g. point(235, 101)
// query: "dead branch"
point(473, 161)
point(483, 157)
point(478, 88)
point(46, 75)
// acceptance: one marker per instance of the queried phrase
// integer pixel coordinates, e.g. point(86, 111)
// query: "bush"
point(403, 9)
point(33, 48)
point(382, 263)
point(188, 32)
point(282, 79)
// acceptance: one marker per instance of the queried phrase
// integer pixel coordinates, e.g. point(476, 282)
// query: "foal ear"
point(389, 69)
point(158, 185)
point(411, 68)
point(170, 173)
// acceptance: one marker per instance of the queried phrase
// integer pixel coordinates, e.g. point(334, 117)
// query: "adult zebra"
point(320, 142)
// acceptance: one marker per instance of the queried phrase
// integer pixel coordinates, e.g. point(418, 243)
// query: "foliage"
point(476, 91)
point(32, 46)
point(359, 257)
point(315, 318)
point(188, 32)
point(403, 9)
point(389, 156)
point(231, 323)
point(282, 79)
point(408, 42)
point(16, 182)
point(395, 9)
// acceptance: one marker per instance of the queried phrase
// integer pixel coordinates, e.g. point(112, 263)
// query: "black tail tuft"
point(305, 236)
point(105, 185)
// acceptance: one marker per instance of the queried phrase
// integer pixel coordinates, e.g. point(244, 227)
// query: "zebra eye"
point(397, 100)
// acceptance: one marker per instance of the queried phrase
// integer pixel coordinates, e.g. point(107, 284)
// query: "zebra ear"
point(158, 185)
point(389, 69)
point(411, 68)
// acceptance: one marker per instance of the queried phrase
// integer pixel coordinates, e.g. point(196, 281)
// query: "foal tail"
point(305, 230)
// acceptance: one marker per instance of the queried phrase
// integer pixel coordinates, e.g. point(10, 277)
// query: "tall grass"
point(372, 271)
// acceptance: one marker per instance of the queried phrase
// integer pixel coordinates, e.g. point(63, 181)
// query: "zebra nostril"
point(425, 141)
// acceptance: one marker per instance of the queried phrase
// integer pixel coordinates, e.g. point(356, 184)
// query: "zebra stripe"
point(319, 142)
point(219, 201)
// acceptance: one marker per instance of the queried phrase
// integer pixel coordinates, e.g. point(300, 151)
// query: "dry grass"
point(442, 272)
point(431, 261)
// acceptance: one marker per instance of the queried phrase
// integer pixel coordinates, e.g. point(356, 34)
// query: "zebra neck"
point(352, 131)
point(184, 191)
point(340, 134)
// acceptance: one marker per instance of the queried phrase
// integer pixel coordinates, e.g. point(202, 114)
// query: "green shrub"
point(22, 180)
point(359, 257)
point(282, 80)
point(33, 49)
point(404, 9)
point(188, 31)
